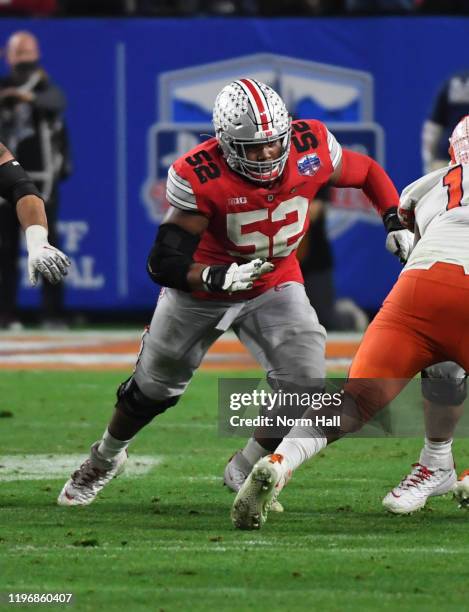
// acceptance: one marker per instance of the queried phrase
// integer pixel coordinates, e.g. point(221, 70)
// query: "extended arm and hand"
point(20, 191)
point(360, 171)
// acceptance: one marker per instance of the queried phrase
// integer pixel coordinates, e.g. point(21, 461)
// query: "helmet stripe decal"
point(258, 102)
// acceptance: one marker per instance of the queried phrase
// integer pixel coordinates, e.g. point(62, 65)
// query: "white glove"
point(43, 258)
point(400, 243)
point(235, 278)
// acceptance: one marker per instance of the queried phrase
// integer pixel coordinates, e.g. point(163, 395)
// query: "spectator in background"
point(187, 8)
point(450, 105)
point(381, 6)
point(36, 8)
point(96, 8)
point(32, 127)
point(299, 7)
point(445, 7)
point(229, 8)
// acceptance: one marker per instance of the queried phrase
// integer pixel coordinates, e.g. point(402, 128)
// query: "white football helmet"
point(248, 112)
point(459, 142)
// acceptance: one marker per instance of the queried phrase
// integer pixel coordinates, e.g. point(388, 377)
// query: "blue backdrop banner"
point(140, 94)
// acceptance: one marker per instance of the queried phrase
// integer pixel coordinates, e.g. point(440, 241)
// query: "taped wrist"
point(391, 220)
point(214, 277)
point(171, 256)
point(36, 236)
point(15, 183)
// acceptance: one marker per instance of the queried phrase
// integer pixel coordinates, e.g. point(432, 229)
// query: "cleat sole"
point(254, 500)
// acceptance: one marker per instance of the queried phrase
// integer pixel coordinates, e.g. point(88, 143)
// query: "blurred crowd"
point(266, 8)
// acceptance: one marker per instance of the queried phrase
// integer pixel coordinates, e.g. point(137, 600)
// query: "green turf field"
point(164, 541)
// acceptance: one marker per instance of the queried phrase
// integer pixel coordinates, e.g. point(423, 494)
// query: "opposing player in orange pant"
point(425, 318)
point(423, 321)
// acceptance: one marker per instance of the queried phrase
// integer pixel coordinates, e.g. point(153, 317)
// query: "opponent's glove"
point(399, 240)
point(232, 277)
point(43, 258)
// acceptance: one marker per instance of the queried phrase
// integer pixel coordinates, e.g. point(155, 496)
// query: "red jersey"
point(249, 220)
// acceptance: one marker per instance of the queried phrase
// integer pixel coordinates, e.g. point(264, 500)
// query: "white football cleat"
point(412, 492)
point(92, 476)
point(461, 490)
point(259, 492)
point(237, 470)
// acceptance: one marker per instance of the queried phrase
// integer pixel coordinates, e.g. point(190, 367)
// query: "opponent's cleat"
point(237, 470)
point(259, 491)
point(92, 476)
point(412, 492)
point(461, 490)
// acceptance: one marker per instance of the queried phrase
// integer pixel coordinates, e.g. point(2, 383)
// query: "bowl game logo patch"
point(309, 164)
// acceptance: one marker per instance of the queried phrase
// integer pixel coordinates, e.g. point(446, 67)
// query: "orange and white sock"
point(301, 444)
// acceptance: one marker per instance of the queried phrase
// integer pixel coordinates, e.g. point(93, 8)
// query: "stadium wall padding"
point(379, 73)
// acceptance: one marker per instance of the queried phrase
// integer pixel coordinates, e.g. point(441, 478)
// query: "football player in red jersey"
point(225, 254)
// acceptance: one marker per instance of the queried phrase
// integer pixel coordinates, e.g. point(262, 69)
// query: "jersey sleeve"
point(180, 193)
point(335, 150)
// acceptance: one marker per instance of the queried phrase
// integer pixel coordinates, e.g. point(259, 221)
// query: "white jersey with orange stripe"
point(441, 217)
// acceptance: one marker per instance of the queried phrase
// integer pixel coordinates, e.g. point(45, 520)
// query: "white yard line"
point(48, 467)
point(241, 545)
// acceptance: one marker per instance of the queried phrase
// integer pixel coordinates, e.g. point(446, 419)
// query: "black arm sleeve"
point(171, 256)
point(15, 183)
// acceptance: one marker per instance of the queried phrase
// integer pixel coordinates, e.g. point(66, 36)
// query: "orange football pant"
point(423, 320)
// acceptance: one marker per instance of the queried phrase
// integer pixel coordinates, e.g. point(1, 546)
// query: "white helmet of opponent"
point(459, 142)
point(248, 112)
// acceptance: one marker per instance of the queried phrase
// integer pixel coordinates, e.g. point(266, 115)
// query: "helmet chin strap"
point(265, 177)
point(254, 170)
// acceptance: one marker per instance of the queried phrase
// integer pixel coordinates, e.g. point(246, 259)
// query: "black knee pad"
point(443, 390)
point(132, 402)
